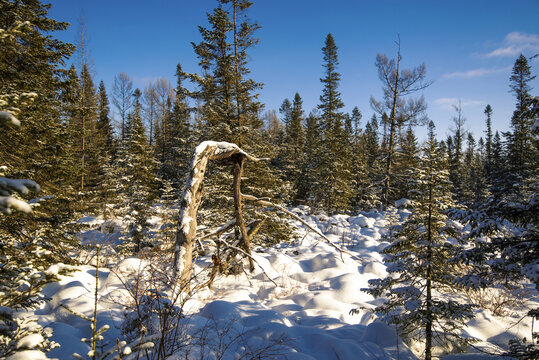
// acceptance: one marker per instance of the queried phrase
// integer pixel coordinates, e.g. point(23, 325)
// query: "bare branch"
point(249, 256)
point(318, 232)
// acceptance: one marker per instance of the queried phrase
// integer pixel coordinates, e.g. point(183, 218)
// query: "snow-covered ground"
point(307, 315)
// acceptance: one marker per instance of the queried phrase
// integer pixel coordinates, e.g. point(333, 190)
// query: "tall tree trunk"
point(428, 326)
point(237, 77)
point(83, 152)
point(393, 120)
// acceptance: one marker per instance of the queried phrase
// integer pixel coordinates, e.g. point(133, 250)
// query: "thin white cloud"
point(475, 73)
point(448, 103)
point(515, 43)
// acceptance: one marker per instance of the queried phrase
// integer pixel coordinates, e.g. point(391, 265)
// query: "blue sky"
point(469, 47)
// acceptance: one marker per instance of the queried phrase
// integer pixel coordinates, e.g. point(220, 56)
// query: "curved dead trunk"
point(192, 198)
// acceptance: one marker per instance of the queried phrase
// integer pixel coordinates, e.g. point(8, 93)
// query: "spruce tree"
point(522, 149)
point(135, 181)
point(69, 114)
point(474, 188)
point(370, 187)
point(456, 159)
point(164, 95)
point(421, 276)
point(177, 150)
point(31, 68)
point(405, 159)
point(292, 147)
point(498, 167)
point(294, 129)
point(307, 180)
point(333, 167)
point(32, 65)
point(488, 143)
point(104, 127)
point(231, 112)
point(358, 156)
point(87, 123)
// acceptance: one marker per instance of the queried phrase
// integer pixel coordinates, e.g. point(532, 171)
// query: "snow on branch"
point(10, 186)
point(8, 119)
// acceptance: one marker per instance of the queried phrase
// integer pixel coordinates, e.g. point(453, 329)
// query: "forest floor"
point(303, 312)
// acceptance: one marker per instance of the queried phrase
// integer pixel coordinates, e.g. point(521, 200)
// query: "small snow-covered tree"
point(420, 273)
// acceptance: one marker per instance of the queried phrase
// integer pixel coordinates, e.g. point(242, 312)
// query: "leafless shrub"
point(500, 301)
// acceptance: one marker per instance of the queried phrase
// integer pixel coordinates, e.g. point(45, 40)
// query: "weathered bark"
point(238, 211)
point(192, 198)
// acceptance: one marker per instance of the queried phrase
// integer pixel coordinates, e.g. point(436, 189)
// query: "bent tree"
point(192, 199)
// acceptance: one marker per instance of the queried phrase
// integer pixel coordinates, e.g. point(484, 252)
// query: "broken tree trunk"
point(245, 242)
point(192, 198)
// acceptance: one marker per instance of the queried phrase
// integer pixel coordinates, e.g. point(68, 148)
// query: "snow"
point(402, 203)
point(8, 119)
point(9, 202)
point(30, 341)
point(28, 355)
point(316, 311)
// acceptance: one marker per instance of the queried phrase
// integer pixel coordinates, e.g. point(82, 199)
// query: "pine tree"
point(333, 167)
point(397, 84)
point(421, 274)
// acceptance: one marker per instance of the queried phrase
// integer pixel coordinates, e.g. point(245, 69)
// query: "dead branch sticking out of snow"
point(249, 256)
point(265, 202)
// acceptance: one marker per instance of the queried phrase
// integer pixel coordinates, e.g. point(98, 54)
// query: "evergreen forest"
point(102, 200)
